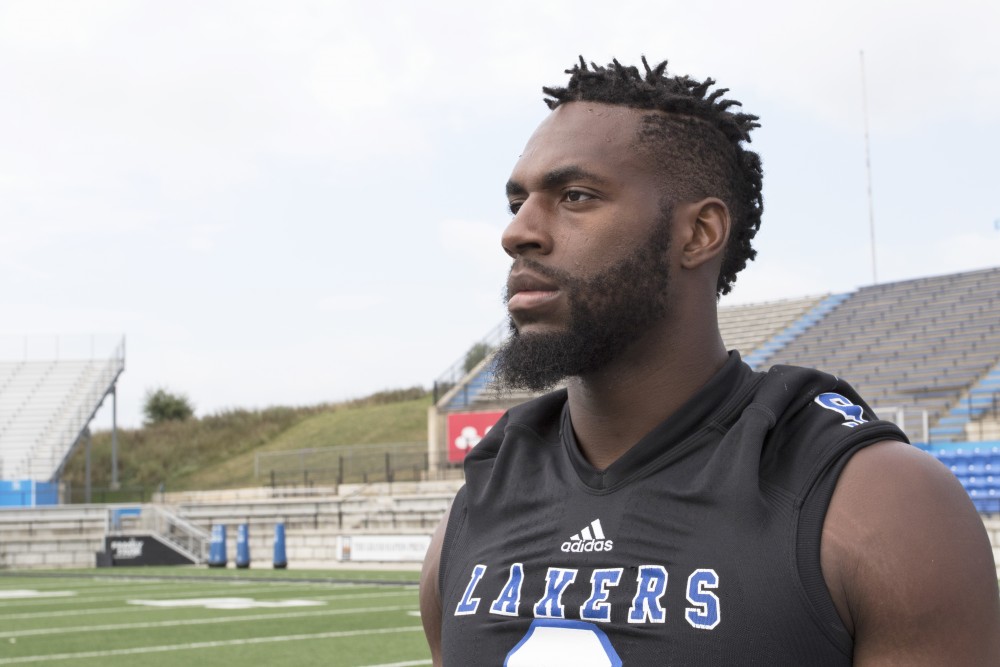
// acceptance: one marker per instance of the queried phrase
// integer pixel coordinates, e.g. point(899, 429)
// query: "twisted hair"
point(696, 142)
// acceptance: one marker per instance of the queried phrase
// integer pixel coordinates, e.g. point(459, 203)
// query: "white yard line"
point(198, 645)
point(360, 596)
point(129, 609)
point(73, 612)
point(87, 599)
point(197, 621)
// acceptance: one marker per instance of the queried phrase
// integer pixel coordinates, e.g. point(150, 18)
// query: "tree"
point(476, 353)
point(162, 406)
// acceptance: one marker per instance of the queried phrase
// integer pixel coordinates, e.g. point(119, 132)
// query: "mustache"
point(557, 276)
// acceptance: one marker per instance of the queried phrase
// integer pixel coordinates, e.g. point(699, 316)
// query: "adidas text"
point(587, 546)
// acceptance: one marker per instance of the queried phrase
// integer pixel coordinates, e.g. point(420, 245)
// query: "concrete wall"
point(51, 537)
point(71, 535)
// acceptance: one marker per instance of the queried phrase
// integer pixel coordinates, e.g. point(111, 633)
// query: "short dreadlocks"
point(697, 142)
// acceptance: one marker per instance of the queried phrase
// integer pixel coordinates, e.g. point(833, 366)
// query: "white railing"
point(174, 529)
point(64, 431)
point(37, 442)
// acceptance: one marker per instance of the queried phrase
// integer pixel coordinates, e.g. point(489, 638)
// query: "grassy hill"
point(217, 451)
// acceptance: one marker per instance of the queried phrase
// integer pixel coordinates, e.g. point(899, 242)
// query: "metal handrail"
point(178, 531)
point(456, 371)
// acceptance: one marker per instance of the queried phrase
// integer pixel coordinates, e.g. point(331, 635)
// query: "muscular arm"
point(430, 596)
point(908, 563)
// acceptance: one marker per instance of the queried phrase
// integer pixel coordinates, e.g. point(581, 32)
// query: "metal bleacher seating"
point(749, 327)
point(44, 405)
point(978, 469)
point(916, 345)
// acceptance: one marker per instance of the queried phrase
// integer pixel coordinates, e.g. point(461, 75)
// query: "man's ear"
point(706, 232)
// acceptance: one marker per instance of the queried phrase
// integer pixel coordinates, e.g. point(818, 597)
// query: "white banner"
point(383, 548)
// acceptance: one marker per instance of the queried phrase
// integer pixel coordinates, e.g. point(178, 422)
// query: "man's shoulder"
point(909, 563)
point(540, 417)
point(816, 420)
point(799, 398)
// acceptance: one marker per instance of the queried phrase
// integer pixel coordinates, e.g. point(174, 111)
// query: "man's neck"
point(611, 410)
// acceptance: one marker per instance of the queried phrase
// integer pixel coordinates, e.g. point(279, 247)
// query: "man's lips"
point(527, 291)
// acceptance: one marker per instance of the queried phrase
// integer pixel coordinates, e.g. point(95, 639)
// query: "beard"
point(607, 313)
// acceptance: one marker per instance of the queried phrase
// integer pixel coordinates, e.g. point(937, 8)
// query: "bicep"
point(430, 595)
point(908, 561)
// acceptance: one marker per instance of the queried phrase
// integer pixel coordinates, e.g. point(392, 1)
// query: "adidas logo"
point(589, 539)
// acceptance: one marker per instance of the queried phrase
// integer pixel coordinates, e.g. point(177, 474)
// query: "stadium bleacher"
point(917, 344)
point(978, 469)
point(45, 404)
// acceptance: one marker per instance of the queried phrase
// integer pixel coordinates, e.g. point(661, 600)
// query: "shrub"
point(162, 406)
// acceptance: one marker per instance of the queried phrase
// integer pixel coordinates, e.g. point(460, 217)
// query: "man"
point(671, 506)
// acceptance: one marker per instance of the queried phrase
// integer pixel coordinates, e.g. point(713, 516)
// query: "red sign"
point(466, 429)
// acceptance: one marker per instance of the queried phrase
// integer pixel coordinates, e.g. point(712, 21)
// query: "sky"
point(290, 203)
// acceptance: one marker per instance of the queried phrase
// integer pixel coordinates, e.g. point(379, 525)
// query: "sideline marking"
point(215, 644)
point(80, 599)
point(227, 603)
point(26, 594)
point(119, 610)
point(195, 621)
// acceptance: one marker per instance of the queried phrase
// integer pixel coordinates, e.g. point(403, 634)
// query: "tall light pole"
point(868, 165)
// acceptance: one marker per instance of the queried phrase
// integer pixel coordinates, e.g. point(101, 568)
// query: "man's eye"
point(577, 195)
point(514, 207)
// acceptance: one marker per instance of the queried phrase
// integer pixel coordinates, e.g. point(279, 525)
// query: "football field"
point(178, 616)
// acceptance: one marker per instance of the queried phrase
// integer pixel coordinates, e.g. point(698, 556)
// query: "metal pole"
point(114, 437)
point(86, 487)
point(868, 165)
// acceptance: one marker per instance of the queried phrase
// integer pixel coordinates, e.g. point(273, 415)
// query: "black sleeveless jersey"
point(699, 546)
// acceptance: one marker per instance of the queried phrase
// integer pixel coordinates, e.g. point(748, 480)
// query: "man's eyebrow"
point(515, 188)
point(557, 178)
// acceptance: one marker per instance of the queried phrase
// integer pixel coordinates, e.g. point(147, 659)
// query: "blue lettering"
point(597, 608)
point(556, 582)
point(646, 607)
point(853, 414)
point(510, 597)
point(705, 613)
point(468, 604)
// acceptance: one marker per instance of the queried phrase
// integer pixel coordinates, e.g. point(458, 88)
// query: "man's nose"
point(528, 232)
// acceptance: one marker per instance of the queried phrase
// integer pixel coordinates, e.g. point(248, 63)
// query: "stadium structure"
point(50, 391)
point(924, 353)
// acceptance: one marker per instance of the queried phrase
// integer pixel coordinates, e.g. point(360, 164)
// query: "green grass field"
point(179, 616)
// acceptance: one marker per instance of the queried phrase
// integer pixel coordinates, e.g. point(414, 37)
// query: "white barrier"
point(382, 548)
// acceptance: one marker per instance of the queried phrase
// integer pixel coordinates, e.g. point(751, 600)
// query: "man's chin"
point(530, 360)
